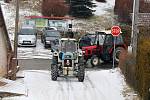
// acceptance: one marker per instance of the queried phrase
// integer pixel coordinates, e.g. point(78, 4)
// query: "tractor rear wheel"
point(117, 53)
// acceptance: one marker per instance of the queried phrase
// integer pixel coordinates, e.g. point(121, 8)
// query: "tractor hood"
point(68, 55)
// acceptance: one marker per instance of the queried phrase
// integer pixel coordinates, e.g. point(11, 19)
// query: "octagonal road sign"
point(115, 30)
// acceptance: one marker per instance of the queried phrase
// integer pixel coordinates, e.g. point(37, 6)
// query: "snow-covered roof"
point(50, 18)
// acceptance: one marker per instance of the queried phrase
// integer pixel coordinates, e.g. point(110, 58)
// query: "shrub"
point(54, 8)
point(126, 33)
point(143, 67)
point(137, 70)
point(128, 68)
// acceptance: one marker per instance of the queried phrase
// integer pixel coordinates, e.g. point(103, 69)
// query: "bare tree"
point(54, 8)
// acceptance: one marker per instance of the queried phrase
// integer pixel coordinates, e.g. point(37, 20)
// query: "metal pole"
point(114, 54)
point(135, 30)
point(16, 29)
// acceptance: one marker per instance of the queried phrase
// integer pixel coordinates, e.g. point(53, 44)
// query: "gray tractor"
point(68, 60)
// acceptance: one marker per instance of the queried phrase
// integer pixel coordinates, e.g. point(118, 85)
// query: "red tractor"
point(102, 48)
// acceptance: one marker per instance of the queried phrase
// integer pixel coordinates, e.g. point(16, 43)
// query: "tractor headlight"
point(79, 53)
point(48, 42)
point(55, 54)
point(83, 52)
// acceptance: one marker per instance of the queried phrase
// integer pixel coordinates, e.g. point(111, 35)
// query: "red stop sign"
point(115, 30)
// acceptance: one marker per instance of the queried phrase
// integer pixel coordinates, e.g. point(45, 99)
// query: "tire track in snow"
point(91, 90)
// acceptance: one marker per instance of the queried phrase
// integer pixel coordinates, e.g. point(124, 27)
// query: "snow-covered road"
point(98, 85)
point(34, 52)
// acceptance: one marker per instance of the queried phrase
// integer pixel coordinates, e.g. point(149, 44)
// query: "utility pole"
point(135, 29)
point(16, 29)
point(14, 68)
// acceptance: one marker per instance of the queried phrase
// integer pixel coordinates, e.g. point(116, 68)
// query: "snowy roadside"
point(98, 85)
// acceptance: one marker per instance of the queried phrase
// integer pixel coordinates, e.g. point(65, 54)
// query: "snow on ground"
point(98, 85)
point(34, 52)
point(102, 8)
point(13, 87)
point(103, 19)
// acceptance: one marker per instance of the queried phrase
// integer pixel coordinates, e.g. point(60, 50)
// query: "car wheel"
point(95, 60)
point(54, 72)
point(117, 53)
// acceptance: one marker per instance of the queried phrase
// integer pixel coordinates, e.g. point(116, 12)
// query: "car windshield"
point(27, 31)
point(52, 34)
point(68, 46)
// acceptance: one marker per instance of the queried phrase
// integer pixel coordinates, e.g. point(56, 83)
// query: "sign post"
point(115, 31)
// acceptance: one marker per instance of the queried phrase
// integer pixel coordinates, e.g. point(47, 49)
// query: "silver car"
point(27, 37)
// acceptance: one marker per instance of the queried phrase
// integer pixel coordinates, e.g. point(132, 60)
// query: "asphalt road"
point(44, 64)
point(34, 64)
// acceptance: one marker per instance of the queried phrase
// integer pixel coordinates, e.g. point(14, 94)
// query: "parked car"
point(50, 37)
point(68, 60)
point(103, 47)
point(27, 36)
point(49, 28)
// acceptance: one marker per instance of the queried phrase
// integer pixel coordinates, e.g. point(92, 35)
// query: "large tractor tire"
point(54, 72)
point(81, 73)
point(95, 60)
point(117, 54)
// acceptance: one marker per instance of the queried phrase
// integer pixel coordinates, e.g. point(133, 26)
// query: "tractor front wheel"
point(95, 60)
point(81, 73)
point(54, 72)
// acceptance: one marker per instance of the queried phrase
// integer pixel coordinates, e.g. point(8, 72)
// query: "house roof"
point(47, 17)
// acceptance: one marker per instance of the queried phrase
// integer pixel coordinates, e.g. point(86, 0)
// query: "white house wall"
point(3, 54)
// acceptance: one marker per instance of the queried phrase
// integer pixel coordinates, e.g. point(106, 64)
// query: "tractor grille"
point(67, 63)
